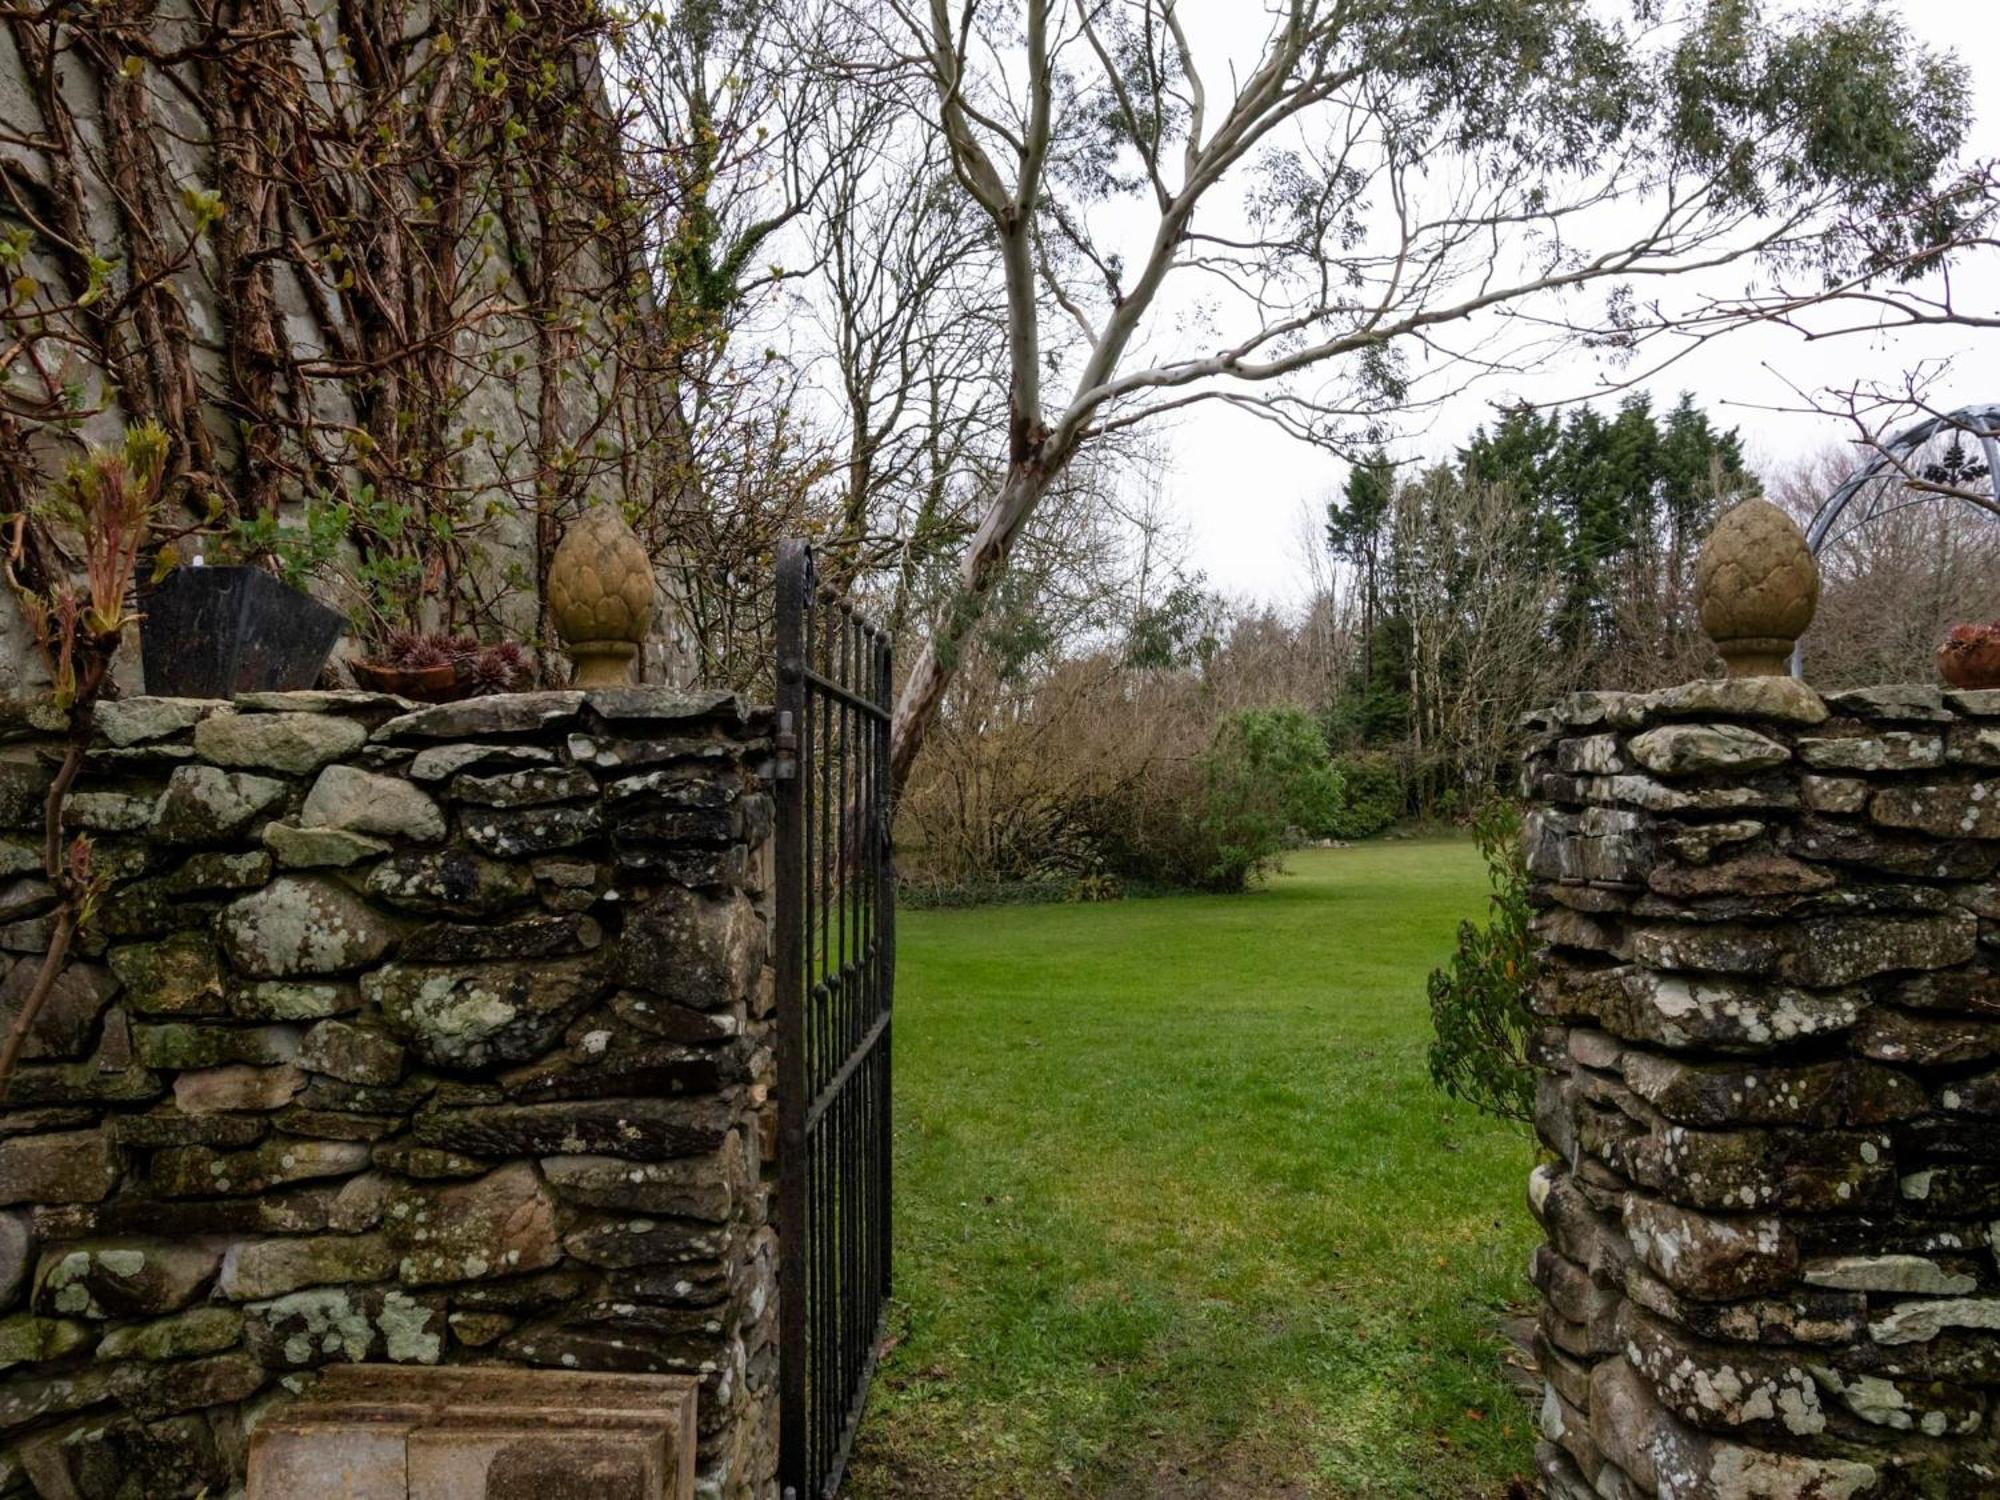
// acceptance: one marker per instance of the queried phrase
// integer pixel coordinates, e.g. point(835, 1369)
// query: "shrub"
point(1372, 795)
point(1479, 1001)
point(1268, 774)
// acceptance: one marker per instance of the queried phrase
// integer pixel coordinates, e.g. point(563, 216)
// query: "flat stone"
point(1837, 952)
point(294, 743)
point(1980, 703)
point(172, 1127)
point(27, 1339)
point(624, 1243)
point(475, 718)
point(1891, 853)
point(349, 1324)
point(205, 805)
point(1762, 874)
point(202, 1172)
point(554, 936)
point(150, 1391)
point(199, 1330)
point(70, 1167)
point(1755, 795)
point(701, 1187)
point(320, 848)
point(1886, 750)
point(37, 1397)
point(1972, 745)
point(1782, 699)
point(1736, 1094)
point(363, 802)
point(428, 1163)
point(1913, 1274)
point(1709, 1258)
point(237, 1086)
point(1717, 948)
point(255, 1270)
point(1725, 1388)
point(184, 1044)
point(664, 704)
point(1957, 810)
point(1916, 1322)
point(529, 788)
point(441, 761)
point(643, 1129)
point(690, 949)
point(450, 881)
point(67, 1022)
point(302, 925)
point(17, 1250)
point(177, 976)
point(353, 1053)
point(137, 721)
point(124, 1278)
point(502, 1224)
point(109, 812)
point(1699, 843)
point(610, 753)
point(1893, 1036)
point(476, 1015)
point(1900, 700)
point(1834, 794)
point(511, 833)
point(293, 999)
point(1687, 749)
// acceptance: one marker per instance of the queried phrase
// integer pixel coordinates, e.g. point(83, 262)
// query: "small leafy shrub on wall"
point(1372, 795)
point(1269, 775)
point(1479, 1001)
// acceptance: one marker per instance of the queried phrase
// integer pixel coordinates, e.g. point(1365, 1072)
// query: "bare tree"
point(1388, 200)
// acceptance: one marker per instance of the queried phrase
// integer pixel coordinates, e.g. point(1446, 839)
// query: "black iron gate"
point(836, 964)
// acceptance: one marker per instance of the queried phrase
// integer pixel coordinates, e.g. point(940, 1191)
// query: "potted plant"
point(433, 667)
point(1970, 656)
point(234, 617)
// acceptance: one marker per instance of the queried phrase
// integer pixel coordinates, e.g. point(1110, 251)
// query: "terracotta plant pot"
point(1970, 656)
point(443, 683)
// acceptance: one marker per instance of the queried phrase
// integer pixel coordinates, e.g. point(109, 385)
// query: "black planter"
point(217, 632)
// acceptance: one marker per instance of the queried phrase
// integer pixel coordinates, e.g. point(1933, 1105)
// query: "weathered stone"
point(507, 713)
point(71, 1167)
point(428, 1163)
point(1910, 1274)
point(351, 1324)
point(360, 801)
point(442, 761)
point(337, 1125)
point(1798, 1315)
point(1834, 794)
point(1952, 810)
point(187, 1385)
point(1590, 755)
point(689, 949)
point(108, 812)
point(68, 1019)
point(125, 1278)
point(643, 1129)
point(701, 1187)
point(1712, 1259)
point(1972, 745)
point(172, 1127)
point(17, 1247)
point(1699, 843)
point(474, 1015)
point(1740, 1094)
point(1688, 749)
point(320, 848)
point(1782, 699)
point(1900, 700)
point(625, 1243)
point(503, 1224)
point(1748, 875)
point(627, 1072)
point(511, 833)
point(1914, 1322)
point(293, 999)
point(137, 721)
point(1972, 992)
point(1894, 854)
point(294, 743)
point(1721, 948)
point(451, 881)
point(1714, 1388)
point(36, 1397)
point(530, 937)
point(302, 925)
point(529, 788)
point(181, 1044)
point(237, 1086)
point(200, 1172)
point(205, 805)
point(612, 753)
point(255, 1270)
point(1890, 1035)
point(199, 1330)
point(177, 976)
point(27, 1339)
point(1833, 953)
point(352, 1053)
point(1885, 750)
point(1598, 844)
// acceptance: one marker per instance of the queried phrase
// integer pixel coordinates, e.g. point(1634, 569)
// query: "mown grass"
point(1179, 1213)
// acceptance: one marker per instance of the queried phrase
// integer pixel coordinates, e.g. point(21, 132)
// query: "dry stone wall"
point(404, 1035)
point(1768, 1092)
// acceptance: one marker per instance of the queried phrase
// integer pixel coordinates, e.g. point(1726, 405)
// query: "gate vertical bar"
point(835, 956)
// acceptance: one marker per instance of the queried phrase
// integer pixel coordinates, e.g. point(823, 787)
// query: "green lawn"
point(1179, 1213)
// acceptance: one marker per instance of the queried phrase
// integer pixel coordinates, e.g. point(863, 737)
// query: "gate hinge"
point(786, 742)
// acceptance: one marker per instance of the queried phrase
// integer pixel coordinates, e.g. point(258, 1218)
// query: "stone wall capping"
point(1769, 1084)
point(416, 1036)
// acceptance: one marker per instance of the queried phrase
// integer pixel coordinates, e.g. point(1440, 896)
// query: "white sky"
point(1240, 483)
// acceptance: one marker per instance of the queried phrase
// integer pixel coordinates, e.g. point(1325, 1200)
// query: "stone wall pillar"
point(1768, 1091)
point(404, 1036)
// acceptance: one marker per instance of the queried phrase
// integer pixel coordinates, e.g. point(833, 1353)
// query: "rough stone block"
point(345, 797)
point(71, 1167)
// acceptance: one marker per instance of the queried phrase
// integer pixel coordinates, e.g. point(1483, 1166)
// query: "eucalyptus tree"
point(1324, 211)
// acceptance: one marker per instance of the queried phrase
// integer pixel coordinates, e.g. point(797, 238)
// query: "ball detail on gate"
point(601, 596)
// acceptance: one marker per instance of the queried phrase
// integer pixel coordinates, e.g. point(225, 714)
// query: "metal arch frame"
point(1979, 422)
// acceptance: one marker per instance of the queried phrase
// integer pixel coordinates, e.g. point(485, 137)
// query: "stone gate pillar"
point(1768, 1091)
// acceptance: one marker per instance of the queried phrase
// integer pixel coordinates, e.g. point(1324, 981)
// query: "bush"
point(1269, 774)
point(1372, 795)
point(1479, 1001)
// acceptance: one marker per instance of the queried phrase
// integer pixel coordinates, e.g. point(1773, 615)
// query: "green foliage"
point(1268, 773)
point(1372, 795)
point(1480, 1018)
point(295, 553)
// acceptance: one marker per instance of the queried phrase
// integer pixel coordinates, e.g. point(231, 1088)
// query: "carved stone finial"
point(1758, 585)
point(601, 596)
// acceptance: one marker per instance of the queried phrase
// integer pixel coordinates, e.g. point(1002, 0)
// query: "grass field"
point(1179, 1213)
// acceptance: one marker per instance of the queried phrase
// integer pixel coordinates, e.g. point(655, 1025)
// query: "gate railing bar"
point(789, 828)
point(863, 1053)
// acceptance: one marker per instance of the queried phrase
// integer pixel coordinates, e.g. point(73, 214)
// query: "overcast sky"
point(1240, 483)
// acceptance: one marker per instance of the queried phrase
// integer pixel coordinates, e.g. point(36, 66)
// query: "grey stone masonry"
point(402, 1036)
point(1769, 1092)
